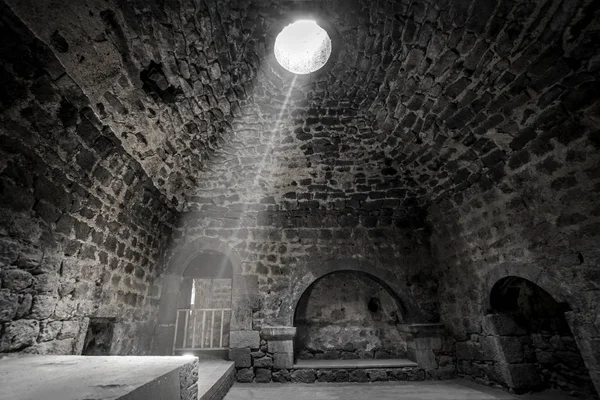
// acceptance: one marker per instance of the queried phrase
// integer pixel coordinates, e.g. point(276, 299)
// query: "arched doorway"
point(535, 346)
point(348, 315)
point(203, 315)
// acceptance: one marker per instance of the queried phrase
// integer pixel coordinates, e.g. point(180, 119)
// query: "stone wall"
point(82, 226)
point(285, 251)
point(526, 343)
point(348, 315)
point(539, 221)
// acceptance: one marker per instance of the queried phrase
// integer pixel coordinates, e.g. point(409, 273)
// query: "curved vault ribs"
point(424, 99)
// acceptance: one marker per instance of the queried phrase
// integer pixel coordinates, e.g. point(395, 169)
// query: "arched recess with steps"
point(199, 258)
point(528, 336)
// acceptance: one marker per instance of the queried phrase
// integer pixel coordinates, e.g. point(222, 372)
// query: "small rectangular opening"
point(99, 336)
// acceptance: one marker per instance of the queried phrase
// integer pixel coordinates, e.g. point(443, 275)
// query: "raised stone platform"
point(99, 378)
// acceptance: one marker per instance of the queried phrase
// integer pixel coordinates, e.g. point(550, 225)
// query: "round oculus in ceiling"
point(302, 47)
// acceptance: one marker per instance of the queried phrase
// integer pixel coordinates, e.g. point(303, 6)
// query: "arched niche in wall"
point(529, 339)
point(302, 280)
point(203, 316)
point(196, 259)
point(349, 314)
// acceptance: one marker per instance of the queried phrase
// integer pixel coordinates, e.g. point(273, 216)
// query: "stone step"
point(215, 378)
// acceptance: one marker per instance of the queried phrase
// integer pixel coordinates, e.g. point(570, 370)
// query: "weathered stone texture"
point(463, 128)
point(539, 221)
point(348, 315)
point(82, 225)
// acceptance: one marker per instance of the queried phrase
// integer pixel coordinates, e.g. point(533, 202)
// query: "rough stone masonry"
point(446, 145)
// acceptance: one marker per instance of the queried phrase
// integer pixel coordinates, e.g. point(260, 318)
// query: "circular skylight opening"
point(302, 47)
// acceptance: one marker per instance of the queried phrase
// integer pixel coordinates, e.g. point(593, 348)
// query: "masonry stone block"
point(245, 375)
point(242, 339)
point(281, 376)
point(278, 332)
point(264, 362)
point(241, 357)
point(304, 376)
point(521, 376)
point(241, 314)
point(245, 285)
point(19, 334)
point(283, 360)
point(263, 375)
point(511, 348)
point(426, 359)
point(501, 324)
point(281, 346)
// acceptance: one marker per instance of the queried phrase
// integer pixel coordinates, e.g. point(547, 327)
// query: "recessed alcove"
point(348, 315)
point(99, 337)
point(536, 348)
point(204, 312)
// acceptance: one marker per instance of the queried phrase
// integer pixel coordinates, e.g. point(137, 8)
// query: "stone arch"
point(172, 280)
point(497, 323)
point(182, 255)
point(301, 282)
point(372, 277)
point(536, 276)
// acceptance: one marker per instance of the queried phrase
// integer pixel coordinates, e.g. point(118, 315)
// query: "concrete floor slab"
point(103, 378)
point(428, 390)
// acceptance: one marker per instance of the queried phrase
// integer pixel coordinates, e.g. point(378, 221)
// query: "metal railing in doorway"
point(201, 329)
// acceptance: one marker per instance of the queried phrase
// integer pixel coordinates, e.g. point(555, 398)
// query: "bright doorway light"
point(302, 47)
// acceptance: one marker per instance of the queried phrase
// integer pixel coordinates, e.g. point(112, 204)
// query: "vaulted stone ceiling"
point(421, 99)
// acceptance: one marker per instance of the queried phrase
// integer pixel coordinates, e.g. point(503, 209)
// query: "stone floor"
point(428, 390)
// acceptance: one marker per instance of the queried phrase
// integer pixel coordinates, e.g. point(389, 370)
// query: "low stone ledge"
point(354, 364)
point(278, 333)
